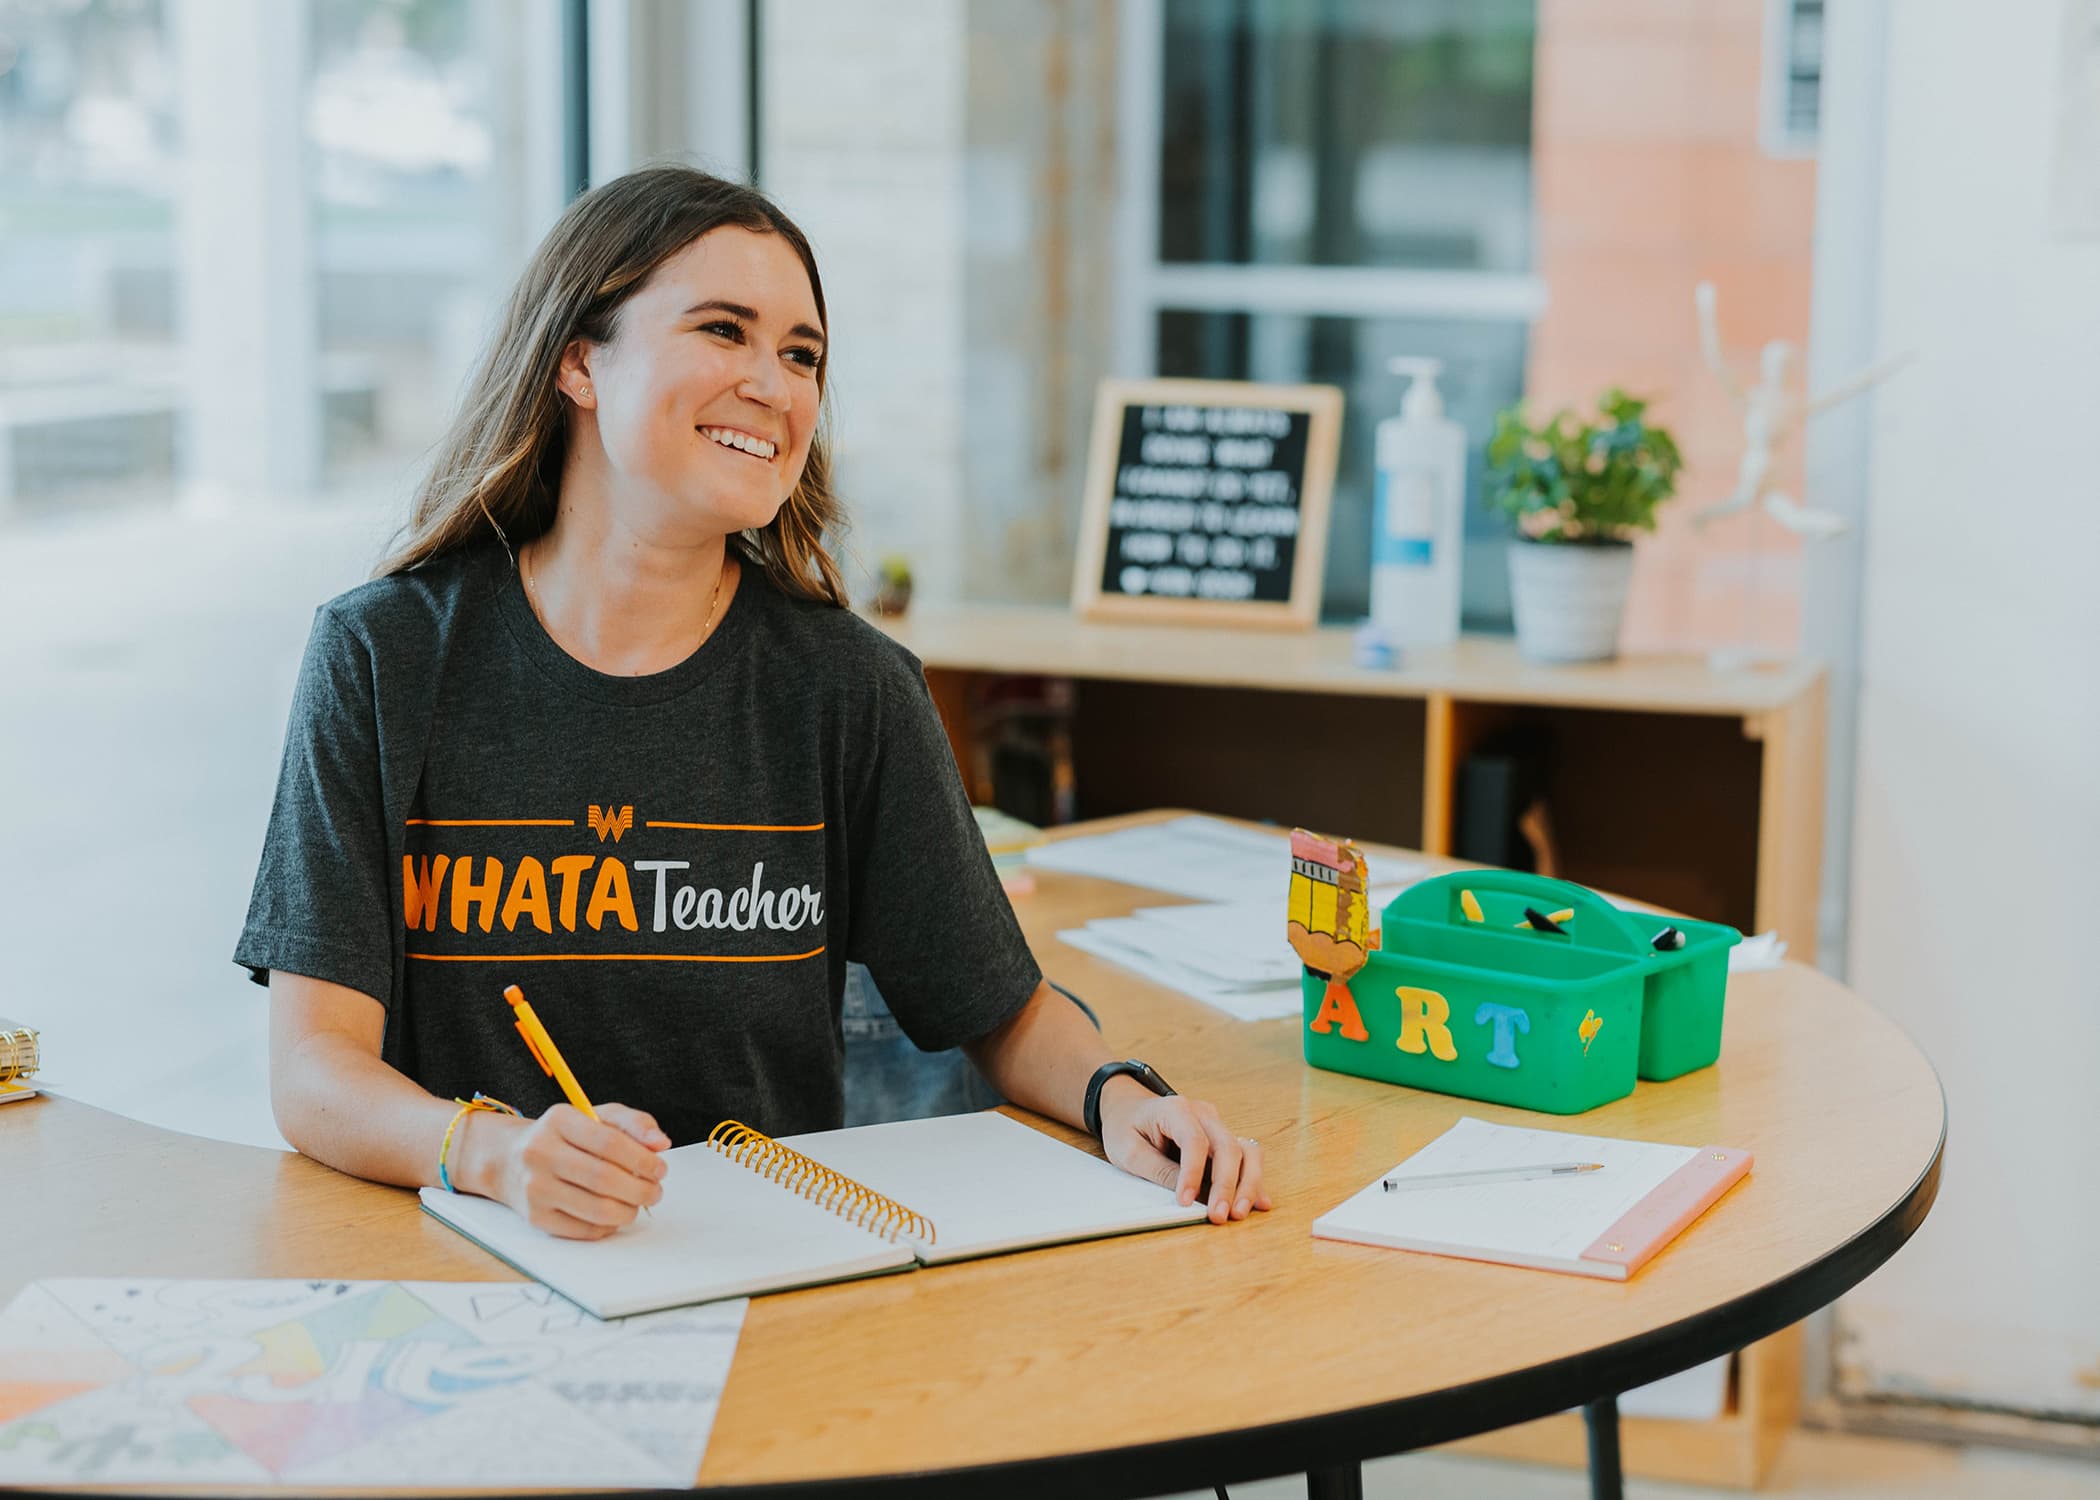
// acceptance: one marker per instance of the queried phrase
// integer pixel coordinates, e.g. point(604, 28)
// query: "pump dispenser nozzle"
point(1423, 399)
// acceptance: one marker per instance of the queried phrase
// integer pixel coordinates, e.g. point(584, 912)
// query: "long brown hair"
point(497, 470)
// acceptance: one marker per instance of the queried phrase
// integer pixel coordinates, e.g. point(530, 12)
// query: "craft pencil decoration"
point(1669, 940)
point(1329, 920)
point(1470, 905)
point(1543, 923)
point(1565, 914)
point(1489, 1174)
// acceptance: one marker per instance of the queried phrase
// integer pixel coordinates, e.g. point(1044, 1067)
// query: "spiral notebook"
point(1606, 1223)
point(742, 1214)
point(18, 1062)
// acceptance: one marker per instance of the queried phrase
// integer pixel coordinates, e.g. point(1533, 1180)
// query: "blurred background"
point(248, 249)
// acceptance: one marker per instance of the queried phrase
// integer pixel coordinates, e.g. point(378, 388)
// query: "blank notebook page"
point(990, 1184)
point(721, 1230)
point(1543, 1221)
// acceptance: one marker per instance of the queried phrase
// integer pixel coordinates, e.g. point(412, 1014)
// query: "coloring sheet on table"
point(300, 1383)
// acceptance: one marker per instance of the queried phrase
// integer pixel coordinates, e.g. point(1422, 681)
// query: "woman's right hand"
point(579, 1178)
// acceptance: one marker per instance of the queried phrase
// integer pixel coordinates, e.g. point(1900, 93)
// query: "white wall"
point(1975, 893)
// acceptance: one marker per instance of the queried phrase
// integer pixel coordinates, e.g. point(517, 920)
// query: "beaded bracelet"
point(466, 1107)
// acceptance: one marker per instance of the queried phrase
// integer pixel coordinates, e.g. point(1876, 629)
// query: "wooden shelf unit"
point(1671, 783)
point(1675, 784)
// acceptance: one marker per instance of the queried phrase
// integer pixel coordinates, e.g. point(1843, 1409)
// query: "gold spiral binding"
point(17, 1052)
point(818, 1183)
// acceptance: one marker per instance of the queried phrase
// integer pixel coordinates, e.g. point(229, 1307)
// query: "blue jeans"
point(887, 1078)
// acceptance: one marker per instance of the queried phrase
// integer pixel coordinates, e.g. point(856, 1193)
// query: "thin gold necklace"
point(532, 596)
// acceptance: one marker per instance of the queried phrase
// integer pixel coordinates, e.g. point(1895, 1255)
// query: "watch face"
point(1150, 1078)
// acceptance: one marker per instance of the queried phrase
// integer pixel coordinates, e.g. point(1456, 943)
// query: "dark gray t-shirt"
point(674, 868)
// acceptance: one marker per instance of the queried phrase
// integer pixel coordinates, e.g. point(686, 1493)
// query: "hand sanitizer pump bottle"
point(1417, 527)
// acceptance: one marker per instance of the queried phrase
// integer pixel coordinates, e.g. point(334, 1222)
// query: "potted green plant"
point(1578, 491)
point(893, 585)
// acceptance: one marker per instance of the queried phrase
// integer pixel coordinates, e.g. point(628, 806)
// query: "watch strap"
point(1144, 1073)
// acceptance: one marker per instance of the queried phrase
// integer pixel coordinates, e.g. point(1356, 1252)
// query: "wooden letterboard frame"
point(1207, 503)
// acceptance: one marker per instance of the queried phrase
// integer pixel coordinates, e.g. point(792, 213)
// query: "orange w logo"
point(604, 820)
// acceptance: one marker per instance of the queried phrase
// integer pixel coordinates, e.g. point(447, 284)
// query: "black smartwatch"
point(1129, 1067)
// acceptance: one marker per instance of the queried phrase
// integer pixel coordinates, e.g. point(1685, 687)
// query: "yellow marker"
point(544, 1052)
point(1565, 914)
point(1471, 906)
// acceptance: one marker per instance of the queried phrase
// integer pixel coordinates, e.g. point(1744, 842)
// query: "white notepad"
point(987, 1183)
point(1606, 1223)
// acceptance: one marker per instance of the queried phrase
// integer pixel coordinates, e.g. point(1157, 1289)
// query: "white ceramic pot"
point(1568, 598)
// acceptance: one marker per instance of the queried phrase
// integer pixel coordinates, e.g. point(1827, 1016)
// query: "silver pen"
point(1490, 1174)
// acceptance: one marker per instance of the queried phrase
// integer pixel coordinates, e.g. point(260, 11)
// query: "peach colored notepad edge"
point(1669, 1209)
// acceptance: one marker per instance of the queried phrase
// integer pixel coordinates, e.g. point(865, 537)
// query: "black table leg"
point(1602, 1418)
point(1346, 1482)
point(1343, 1482)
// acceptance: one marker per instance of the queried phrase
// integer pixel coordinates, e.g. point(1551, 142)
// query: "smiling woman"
point(615, 585)
point(663, 303)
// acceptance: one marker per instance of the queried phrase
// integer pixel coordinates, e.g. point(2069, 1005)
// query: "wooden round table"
point(1154, 1362)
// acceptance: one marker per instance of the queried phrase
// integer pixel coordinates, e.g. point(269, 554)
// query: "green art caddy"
point(1498, 1010)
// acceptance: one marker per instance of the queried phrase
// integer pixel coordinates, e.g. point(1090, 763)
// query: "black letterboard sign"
point(1207, 500)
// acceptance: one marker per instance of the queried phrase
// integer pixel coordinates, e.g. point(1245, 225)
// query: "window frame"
point(1775, 131)
point(1146, 286)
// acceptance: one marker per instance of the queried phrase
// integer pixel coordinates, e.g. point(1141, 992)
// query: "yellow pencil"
point(544, 1052)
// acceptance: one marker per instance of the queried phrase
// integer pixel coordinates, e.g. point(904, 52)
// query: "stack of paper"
point(1243, 976)
point(1229, 952)
point(1197, 857)
point(1766, 950)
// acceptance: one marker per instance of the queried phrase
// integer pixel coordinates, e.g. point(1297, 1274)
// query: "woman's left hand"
point(1171, 1141)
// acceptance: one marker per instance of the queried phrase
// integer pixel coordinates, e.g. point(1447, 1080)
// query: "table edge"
point(1425, 1420)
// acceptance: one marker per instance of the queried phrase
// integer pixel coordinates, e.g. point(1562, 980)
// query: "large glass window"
point(89, 389)
point(1347, 132)
point(1335, 182)
point(415, 213)
point(182, 183)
